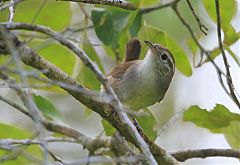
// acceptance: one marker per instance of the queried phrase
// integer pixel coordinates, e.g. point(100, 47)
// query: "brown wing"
point(118, 72)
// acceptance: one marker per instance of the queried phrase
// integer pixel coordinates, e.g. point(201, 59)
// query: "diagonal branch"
point(29, 57)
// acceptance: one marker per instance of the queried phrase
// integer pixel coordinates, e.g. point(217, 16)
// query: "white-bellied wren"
point(141, 83)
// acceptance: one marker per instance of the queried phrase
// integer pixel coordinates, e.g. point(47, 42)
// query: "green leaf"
point(92, 54)
point(216, 52)
point(232, 134)
point(56, 54)
point(47, 108)
point(136, 25)
point(215, 119)
point(218, 120)
point(181, 59)
point(56, 15)
point(144, 3)
point(108, 128)
point(227, 10)
point(230, 36)
point(109, 23)
point(86, 76)
point(9, 131)
point(148, 123)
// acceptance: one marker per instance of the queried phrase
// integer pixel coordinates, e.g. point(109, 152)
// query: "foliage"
point(113, 27)
point(218, 120)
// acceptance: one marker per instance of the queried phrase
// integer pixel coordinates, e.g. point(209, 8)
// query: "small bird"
point(141, 83)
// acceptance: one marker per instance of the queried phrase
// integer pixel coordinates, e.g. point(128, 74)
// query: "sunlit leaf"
point(54, 14)
point(214, 120)
point(230, 36)
point(227, 11)
point(56, 54)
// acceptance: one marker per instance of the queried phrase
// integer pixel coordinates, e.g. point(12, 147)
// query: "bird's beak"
point(150, 45)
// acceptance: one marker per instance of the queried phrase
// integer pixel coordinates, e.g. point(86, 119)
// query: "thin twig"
point(220, 73)
point(204, 153)
point(226, 64)
point(10, 4)
point(202, 27)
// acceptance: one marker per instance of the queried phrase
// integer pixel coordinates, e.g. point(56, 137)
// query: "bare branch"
point(118, 3)
point(121, 122)
point(12, 10)
point(220, 73)
point(202, 27)
point(204, 153)
point(226, 64)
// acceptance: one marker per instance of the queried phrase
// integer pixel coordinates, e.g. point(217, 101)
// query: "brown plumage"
point(133, 50)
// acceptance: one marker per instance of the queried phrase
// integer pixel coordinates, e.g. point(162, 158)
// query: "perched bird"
point(141, 83)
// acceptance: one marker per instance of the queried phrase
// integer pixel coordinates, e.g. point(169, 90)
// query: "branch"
point(117, 3)
point(203, 153)
point(121, 122)
point(10, 4)
point(220, 73)
point(226, 64)
point(201, 26)
point(158, 6)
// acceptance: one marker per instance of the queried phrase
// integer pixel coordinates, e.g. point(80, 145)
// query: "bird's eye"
point(164, 57)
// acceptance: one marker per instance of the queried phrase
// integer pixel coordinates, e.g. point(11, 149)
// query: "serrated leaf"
point(47, 108)
point(181, 59)
point(148, 123)
point(108, 128)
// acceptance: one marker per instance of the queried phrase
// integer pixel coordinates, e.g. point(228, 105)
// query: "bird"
point(141, 83)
